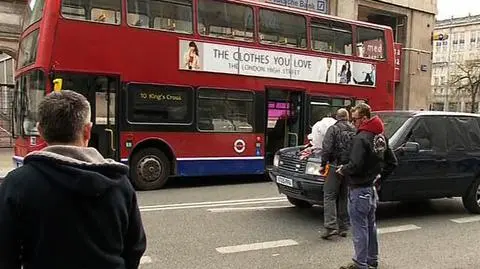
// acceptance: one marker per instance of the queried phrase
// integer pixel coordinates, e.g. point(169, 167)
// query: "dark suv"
point(438, 154)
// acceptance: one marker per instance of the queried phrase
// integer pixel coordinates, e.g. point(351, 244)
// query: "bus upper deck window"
point(370, 43)
point(331, 36)
point(175, 16)
point(283, 29)
point(101, 11)
point(225, 20)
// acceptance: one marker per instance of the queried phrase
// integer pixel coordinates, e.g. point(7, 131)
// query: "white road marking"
point(212, 204)
point(145, 259)
point(258, 208)
point(396, 229)
point(257, 246)
point(466, 219)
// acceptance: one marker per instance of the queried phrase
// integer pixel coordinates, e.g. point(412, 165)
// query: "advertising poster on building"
point(209, 57)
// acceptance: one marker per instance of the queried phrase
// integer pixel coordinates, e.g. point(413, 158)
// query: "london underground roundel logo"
point(239, 146)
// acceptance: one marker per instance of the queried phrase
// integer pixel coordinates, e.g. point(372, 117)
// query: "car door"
point(418, 172)
point(463, 147)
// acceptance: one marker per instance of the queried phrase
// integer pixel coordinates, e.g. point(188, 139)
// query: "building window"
point(468, 107)
point(370, 43)
point(225, 111)
point(282, 29)
point(478, 39)
point(93, 10)
point(453, 106)
point(461, 42)
point(445, 46)
point(157, 104)
point(175, 16)
point(225, 20)
point(331, 36)
point(438, 106)
point(454, 39)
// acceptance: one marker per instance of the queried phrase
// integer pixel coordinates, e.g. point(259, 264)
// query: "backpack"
point(379, 146)
point(344, 140)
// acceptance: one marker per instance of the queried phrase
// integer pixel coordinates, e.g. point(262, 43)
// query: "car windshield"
point(393, 122)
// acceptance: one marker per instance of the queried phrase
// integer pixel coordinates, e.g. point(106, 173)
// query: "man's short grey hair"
point(62, 116)
point(342, 114)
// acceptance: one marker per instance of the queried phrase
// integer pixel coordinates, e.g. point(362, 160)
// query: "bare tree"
point(466, 81)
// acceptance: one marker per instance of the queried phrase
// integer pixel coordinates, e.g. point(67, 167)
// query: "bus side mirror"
point(57, 84)
point(413, 147)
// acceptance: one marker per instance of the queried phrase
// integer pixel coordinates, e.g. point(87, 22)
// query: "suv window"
point(463, 134)
point(430, 133)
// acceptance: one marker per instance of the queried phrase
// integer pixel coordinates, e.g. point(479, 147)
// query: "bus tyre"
point(150, 169)
point(471, 200)
point(299, 203)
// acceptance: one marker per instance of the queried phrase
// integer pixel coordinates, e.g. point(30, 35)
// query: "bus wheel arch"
point(151, 163)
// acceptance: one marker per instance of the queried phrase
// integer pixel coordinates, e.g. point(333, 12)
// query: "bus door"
point(101, 91)
point(285, 121)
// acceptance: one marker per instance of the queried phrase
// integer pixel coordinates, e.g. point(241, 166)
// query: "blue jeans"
point(362, 204)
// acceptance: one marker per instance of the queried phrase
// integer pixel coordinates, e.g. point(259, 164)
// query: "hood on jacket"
point(373, 125)
point(78, 169)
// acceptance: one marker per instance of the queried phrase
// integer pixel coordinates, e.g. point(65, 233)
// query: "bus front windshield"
point(33, 12)
point(29, 91)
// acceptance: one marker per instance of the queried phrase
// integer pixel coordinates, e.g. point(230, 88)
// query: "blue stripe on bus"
point(220, 167)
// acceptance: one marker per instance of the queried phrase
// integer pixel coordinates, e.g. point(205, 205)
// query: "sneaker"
point(327, 233)
point(372, 267)
point(342, 233)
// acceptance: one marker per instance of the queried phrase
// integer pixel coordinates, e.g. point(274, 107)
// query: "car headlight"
point(313, 169)
point(276, 160)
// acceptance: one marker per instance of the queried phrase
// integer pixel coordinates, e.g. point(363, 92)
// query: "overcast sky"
point(457, 8)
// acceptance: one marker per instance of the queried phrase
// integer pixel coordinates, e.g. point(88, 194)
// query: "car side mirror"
point(411, 147)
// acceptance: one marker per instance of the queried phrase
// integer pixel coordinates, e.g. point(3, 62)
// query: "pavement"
point(249, 225)
point(242, 222)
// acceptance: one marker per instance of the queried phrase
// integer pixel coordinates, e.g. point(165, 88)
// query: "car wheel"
point(471, 200)
point(150, 169)
point(299, 203)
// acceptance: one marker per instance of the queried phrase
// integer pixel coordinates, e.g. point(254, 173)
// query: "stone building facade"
point(461, 46)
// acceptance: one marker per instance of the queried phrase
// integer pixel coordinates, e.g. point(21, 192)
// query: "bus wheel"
point(150, 169)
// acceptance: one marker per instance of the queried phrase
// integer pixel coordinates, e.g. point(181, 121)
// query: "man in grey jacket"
point(335, 151)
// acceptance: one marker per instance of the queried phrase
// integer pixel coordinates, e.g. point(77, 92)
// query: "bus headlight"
point(276, 160)
point(313, 169)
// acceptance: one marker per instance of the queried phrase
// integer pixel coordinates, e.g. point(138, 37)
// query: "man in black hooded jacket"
point(67, 206)
point(371, 159)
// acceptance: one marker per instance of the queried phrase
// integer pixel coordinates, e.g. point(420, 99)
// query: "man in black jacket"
point(371, 159)
point(336, 150)
point(67, 206)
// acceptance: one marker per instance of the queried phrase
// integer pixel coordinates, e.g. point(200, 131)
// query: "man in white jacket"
point(319, 130)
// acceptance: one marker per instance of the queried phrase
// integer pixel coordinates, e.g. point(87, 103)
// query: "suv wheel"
point(299, 203)
point(471, 200)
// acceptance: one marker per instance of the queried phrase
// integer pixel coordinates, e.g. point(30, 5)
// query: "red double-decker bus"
point(196, 87)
